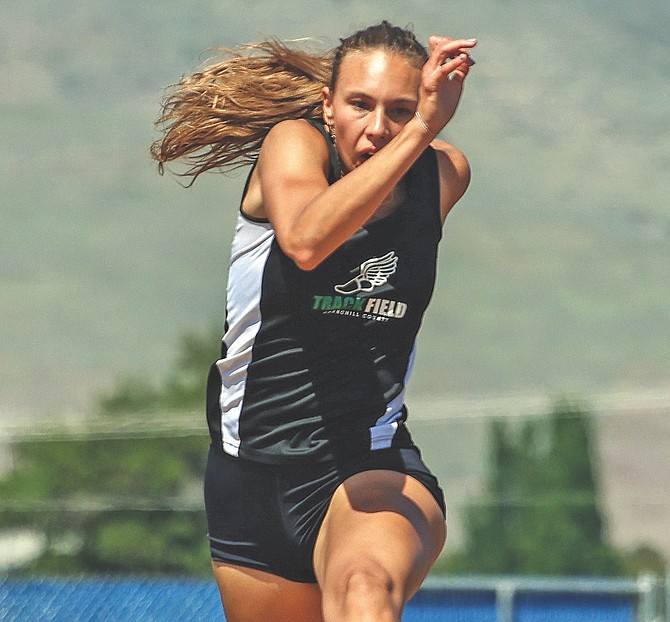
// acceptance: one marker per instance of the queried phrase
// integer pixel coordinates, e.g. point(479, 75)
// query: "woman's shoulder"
point(451, 155)
point(454, 170)
point(298, 145)
point(295, 131)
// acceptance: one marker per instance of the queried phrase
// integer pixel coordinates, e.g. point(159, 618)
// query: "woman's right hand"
point(442, 79)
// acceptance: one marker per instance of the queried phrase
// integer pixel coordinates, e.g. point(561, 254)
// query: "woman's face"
point(377, 92)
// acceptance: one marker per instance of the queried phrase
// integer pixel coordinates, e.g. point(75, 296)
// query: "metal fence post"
point(505, 591)
point(647, 587)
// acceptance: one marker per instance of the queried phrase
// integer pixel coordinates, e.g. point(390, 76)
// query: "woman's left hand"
point(442, 79)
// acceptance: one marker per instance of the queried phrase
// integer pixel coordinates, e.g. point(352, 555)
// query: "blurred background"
point(541, 395)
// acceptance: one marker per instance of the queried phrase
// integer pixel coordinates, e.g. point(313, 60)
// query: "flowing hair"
point(218, 117)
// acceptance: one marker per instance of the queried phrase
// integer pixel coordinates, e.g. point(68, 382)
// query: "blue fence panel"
point(440, 605)
point(109, 601)
point(562, 607)
point(165, 600)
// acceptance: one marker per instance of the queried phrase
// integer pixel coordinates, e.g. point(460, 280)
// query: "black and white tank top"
point(314, 364)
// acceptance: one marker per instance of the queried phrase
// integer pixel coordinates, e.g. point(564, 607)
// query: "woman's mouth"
point(366, 155)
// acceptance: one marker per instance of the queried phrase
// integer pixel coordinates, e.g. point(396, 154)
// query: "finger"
point(446, 51)
point(458, 75)
point(445, 46)
point(434, 41)
point(461, 63)
point(469, 61)
point(461, 72)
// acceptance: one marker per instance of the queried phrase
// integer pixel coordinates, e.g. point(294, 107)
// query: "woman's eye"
point(361, 105)
point(403, 112)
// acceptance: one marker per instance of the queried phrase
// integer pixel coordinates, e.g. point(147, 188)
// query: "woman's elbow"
point(304, 256)
point(306, 264)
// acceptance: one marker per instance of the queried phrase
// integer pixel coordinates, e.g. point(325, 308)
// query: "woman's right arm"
point(310, 217)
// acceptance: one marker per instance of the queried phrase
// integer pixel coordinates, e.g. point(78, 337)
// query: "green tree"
point(124, 503)
point(540, 512)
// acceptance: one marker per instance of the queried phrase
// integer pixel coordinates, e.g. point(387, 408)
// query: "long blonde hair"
point(218, 117)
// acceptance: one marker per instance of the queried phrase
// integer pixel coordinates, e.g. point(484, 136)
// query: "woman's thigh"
point(250, 595)
point(380, 519)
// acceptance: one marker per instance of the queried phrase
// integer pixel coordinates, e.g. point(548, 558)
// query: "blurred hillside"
point(554, 270)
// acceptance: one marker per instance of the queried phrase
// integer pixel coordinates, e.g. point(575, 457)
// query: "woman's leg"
point(250, 595)
point(381, 535)
point(245, 523)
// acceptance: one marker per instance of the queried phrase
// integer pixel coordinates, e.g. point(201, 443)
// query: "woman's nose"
point(377, 126)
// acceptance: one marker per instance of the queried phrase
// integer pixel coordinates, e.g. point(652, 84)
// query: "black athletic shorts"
point(267, 516)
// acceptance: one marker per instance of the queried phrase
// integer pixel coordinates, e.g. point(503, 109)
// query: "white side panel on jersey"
point(250, 249)
point(382, 433)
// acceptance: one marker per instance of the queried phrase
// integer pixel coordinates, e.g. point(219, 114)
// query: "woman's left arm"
point(454, 171)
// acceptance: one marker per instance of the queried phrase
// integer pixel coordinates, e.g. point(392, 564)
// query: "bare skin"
point(383, 529)
point(250, 595)
point(382, 533)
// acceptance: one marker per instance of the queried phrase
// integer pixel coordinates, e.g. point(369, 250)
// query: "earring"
point(331, 133)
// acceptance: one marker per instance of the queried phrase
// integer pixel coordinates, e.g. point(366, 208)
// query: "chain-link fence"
point(455, 600)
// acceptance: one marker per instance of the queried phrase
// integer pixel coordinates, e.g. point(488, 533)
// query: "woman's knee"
point(364, 590)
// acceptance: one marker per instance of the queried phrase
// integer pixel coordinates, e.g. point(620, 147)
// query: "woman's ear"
point(327, 101)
